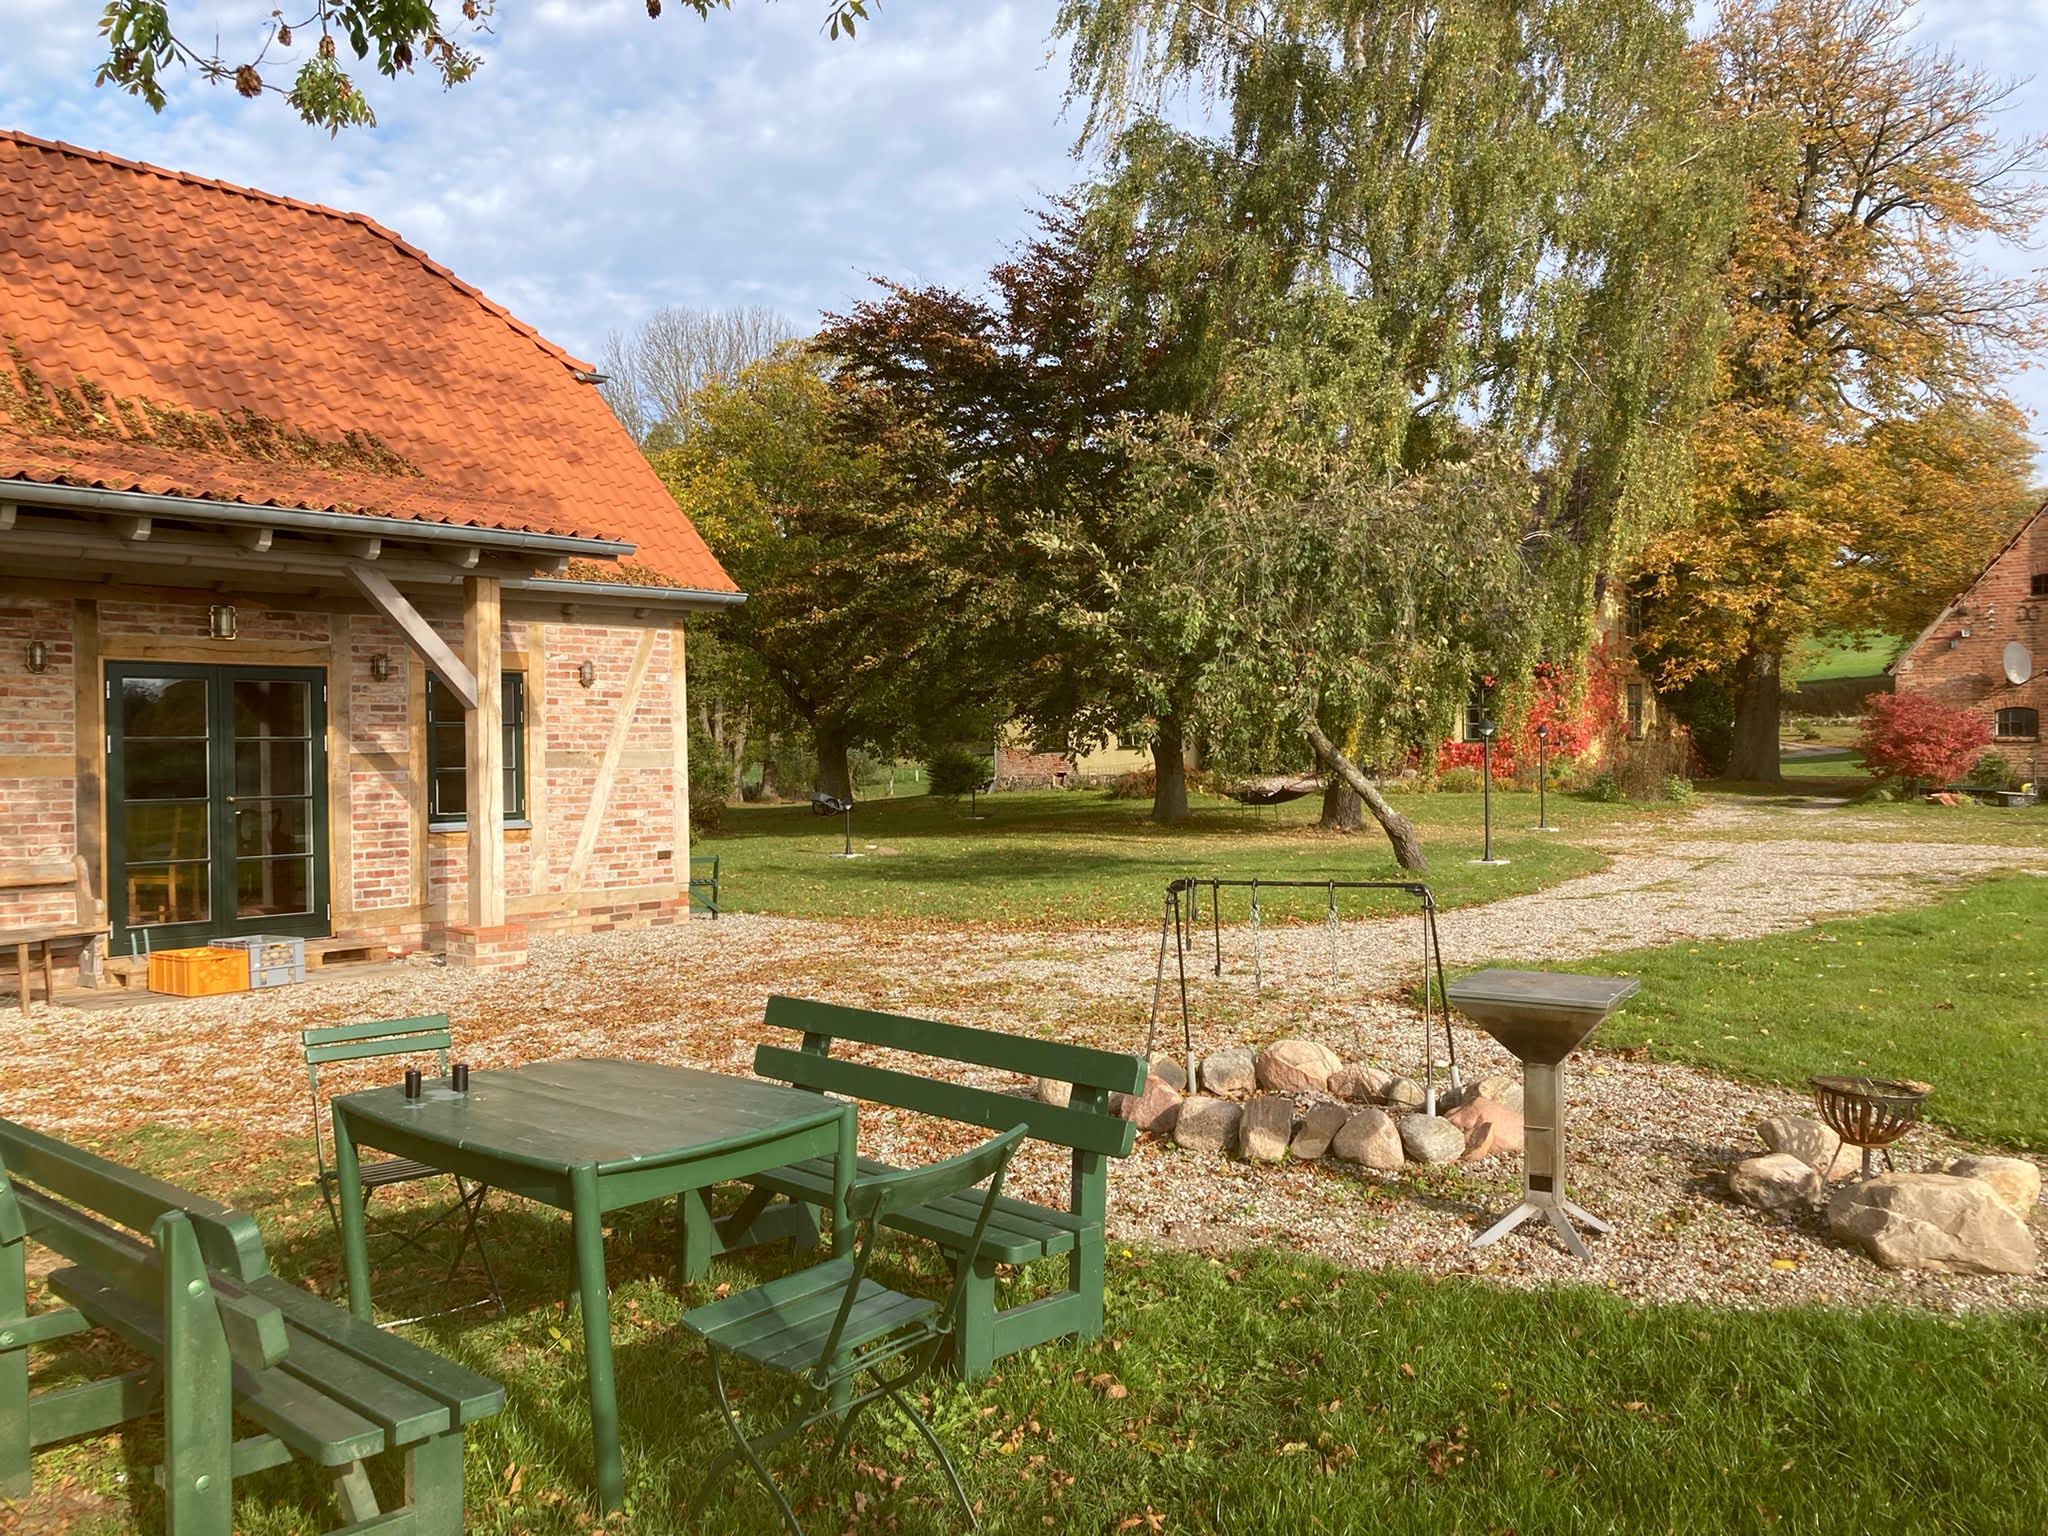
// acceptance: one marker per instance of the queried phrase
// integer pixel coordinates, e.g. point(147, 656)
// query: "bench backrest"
point(1085, 1123)
point(47, 874)
point(174, 1257)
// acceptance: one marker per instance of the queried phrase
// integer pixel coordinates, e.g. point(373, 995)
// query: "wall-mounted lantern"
point(220, 621)
point(380, 667)
point(38, 656)
point(587, 674)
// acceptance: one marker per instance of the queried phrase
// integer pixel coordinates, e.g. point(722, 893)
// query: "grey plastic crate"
point(275, 959)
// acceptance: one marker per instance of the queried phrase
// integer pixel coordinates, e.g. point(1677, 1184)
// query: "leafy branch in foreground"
point(398, 35)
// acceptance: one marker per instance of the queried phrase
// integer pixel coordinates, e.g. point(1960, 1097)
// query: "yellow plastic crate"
point(198, 972)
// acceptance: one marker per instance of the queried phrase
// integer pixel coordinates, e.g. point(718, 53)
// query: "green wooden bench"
point(186, 1284)
point(1020, 1230)
point(704, 888)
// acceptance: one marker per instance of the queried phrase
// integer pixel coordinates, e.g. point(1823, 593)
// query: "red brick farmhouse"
point(313, 563)
point(1986, 650)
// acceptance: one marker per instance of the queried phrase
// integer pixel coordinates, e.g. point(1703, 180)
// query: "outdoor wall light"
point(1966, 631)
point(587, 674)
point(380, 667)
point(220, 621)
point(38, 656)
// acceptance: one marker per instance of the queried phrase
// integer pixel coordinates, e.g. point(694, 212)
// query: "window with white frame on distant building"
point(1475, 717)
point(2019, 722)
point(1636, 708)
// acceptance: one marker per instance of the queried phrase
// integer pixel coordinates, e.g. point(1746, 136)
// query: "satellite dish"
point(2019, 663)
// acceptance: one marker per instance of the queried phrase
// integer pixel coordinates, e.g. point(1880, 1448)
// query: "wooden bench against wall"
point(89, 924)
point(1021, 1230)
point(185, 1282)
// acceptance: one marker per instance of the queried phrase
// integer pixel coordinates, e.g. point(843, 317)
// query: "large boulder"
point(1431, 1139)
point(1812, 1142)
point(1777, 1182)
point(1297, 1066)
point(1357, 1083)
point(1054, 1090)
point(1265, 1130)
point(1934, 1221)
point(2014, 1180)
point(1208, 1125)
point(1153, 1111)
point(1172, 1071)
point(1491, 1128)
point(1318, 1129)
point(1231, 1074)
point(1371, 1138)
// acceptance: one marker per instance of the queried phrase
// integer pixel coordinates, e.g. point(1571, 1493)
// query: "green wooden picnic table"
point(589, 1136)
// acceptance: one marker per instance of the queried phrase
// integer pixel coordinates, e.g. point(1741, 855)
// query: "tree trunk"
point(1753, 756)
point(834, 776)
point(1400, 831)
point(1343, 810)
point(1169, 772)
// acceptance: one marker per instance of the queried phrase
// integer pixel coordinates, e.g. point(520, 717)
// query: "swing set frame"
point(1178, 924)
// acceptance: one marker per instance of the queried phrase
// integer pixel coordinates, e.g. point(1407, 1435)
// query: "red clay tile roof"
point(177, 335)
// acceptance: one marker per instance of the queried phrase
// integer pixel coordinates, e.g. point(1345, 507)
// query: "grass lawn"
point(1827, 763)
point(1824, 659)
point(1261, 1393)
point(1078, 857)
point(1950, 994)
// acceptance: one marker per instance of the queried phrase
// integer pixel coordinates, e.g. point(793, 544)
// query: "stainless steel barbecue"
point(1541, 1016)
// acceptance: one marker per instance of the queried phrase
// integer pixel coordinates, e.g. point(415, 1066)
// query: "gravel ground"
point(1649, 1139)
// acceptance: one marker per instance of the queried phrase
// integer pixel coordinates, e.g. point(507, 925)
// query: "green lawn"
point(1950, 994)
point(1828, 657)
point(1257, 1393)
point(1078, 857)
point(1825, 763)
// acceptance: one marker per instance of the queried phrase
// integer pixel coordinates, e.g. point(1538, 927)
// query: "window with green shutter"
point(448, 754)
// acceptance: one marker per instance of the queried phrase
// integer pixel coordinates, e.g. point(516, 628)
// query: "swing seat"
point(1277, 791)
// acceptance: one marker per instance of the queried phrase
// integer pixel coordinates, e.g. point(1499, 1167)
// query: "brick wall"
point(38, 794)
point(1970, 670)
point(391, 879)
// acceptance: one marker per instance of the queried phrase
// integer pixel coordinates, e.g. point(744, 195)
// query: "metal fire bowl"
point(1868, 1111)
point(1540, 1016)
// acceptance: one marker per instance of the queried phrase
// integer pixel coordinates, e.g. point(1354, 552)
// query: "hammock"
point(1277, 790)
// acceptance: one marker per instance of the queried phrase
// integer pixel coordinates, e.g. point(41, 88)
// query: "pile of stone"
point(1299, 1099)
point(1971, 1218)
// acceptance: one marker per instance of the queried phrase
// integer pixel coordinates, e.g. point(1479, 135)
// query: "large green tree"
point(1503, 216)
point(1858, 459)
point(852, 551)
point(1031, 386)
point(306, 48)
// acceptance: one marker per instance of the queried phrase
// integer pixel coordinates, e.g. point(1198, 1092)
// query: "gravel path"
point(1649, 1138)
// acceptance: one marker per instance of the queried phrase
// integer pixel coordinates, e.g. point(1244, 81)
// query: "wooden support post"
point(482, 654)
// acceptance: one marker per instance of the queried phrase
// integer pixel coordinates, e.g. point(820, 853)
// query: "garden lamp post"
point(1486, 730)
point(1543, 778)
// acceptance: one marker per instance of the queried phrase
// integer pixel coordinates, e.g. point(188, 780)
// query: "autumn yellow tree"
point(1859, 459)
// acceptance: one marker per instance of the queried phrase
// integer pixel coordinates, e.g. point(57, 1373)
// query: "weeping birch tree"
point(1504, 214)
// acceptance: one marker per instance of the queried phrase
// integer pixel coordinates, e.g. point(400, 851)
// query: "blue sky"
point(601, 164)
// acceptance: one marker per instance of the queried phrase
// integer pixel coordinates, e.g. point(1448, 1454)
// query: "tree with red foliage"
point(1920, 740)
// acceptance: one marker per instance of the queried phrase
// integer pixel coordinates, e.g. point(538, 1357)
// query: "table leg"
point(842, 1180)
point(49, 976)
point(591, 1292)
point(355, 1244)
point(21, 974)
point(698, 1234)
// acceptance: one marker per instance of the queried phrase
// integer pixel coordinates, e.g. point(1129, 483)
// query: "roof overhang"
point(130, 536)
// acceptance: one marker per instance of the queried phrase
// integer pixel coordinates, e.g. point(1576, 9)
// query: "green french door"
point(216, 803)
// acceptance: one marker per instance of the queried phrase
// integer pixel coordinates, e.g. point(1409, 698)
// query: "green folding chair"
point(792, 1326)
point(427, 1035)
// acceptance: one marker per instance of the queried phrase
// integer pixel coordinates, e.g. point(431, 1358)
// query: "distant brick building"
point(312, 559)
point(1986, 649)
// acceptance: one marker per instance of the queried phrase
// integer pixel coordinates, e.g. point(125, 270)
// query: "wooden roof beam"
point(421, 636)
